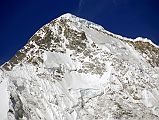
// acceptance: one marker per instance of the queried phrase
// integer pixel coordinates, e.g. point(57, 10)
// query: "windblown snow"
point(76, 70)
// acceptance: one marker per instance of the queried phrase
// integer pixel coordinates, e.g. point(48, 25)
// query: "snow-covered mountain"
point(73, 69)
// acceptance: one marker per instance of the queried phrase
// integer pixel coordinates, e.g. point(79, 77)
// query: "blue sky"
point(20, 19)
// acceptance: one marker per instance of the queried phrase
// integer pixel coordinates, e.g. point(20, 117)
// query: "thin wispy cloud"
point(115, 2)
point(80, 5)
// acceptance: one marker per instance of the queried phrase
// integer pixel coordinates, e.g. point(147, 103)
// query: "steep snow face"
point(73, 69)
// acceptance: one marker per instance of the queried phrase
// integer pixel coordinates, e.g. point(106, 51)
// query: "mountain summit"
point(73, 69)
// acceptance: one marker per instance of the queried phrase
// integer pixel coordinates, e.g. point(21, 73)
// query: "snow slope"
point(4, 98)
point(73, 69)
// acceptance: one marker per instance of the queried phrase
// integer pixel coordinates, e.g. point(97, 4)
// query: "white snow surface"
point(4, 97)
point(121, 85)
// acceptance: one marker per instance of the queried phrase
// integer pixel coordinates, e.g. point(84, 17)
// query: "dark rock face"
point(149, 50)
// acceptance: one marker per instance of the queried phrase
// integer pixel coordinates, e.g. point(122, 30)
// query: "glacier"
point(74, 69)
